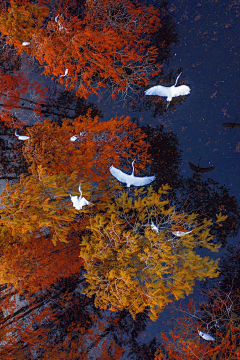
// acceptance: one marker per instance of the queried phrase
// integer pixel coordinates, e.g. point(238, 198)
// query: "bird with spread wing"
point(131, 179)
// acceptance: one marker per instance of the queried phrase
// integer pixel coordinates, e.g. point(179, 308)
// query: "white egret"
point(25, 43)
point(57, 21)
point(206, 336)
point(22, 137)
point(79, 202)
point(169, 91)
point(65, 74)
point(75, 137)
point(154, 227)
point(131, 179)
point(181, 233)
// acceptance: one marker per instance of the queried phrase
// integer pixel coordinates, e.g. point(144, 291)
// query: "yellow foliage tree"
point(135, 260)
point(40, 204)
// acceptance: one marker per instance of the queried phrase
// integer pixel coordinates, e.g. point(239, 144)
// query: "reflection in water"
point(231, 125)
point(198, 169)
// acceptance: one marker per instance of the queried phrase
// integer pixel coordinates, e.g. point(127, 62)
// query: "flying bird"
point(199, 169)
point(131, 179)
point(65, 74)
point(25, 43)
point(79, 202)
point(22, 137)
point(206, 336)
point(169, 91)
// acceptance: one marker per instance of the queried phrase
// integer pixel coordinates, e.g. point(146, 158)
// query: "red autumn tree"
point(36, 264)
point(220, 317)
point(108, 43)
point(98, 146)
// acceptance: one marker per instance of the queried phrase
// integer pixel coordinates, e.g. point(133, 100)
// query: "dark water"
point(207, 53)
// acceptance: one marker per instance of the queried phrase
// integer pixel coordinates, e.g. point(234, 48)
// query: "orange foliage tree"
point(99, 145)
point(35, 265)
point(107, 43)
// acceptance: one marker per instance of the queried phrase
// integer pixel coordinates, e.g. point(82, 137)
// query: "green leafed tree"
point(133, 265)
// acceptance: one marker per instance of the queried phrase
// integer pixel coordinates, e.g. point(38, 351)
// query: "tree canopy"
point(99, 145)
point(108, 43)
point(132, 266)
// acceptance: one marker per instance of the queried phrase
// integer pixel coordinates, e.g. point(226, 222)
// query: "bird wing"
point(206, 336)
point(142, 181)
point(209, 337)
point(158, 90)
point(118, 174)
point(84, 202)
point(181, 90)
point(181, 233)
point(75, 201)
